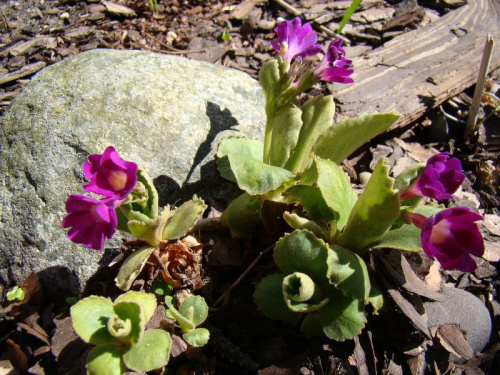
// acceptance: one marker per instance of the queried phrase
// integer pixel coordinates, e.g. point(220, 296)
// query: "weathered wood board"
point(420, 69)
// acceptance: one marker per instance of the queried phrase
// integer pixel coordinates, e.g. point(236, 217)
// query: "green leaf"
point(311, 326)
point(242, 215)
point(348, 272)
point(185, 324)
point(343, 317)
point(90, 316)
point(151, 353)
point(311, 199)
point(269, 76)
point(346, 136)
point(197, 337)
point(240, 145)
point(183, 219)
point(106, 360)
point(195, 309)
point(376, 298)
point(286, 128)
point(146, 301)
point(335, 187)
point(132, 311)
point(251, 175)
point(132, 267)
point(302, 251)
point(374, 212)
point(301, 294)
point(406, 238)
point(161, 288)
point(406, 177)
point(145, 231)
point(16, 293)
point(297, 222)
point(269, 299)
point(347, 15)
point(317, 117)
point(152, 203)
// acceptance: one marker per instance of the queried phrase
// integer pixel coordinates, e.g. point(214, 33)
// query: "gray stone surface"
point(465, 309)
point(165, 113)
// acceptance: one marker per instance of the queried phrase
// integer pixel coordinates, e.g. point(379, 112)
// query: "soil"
point(37, 336)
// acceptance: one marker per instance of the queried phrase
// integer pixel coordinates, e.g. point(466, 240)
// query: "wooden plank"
point(419, 70)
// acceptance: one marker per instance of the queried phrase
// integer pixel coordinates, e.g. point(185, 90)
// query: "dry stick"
point(291, 9)
point(471, 127)
point(164, 44)
point(243, 275)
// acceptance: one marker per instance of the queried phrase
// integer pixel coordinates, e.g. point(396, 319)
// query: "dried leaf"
point(452, 338)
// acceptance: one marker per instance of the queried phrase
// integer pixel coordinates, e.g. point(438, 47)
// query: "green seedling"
point(117, 330)
point(192, 312)
point(15, 294)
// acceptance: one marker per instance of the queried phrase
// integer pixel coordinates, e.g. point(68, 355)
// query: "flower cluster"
point(296, 42)
point(451, 235)
point(92, 221)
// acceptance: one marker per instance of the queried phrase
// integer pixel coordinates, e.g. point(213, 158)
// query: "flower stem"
point(416, 219)
point(268, 136)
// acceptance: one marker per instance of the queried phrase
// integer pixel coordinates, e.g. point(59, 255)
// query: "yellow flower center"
point(118, 180)
point(440, 232)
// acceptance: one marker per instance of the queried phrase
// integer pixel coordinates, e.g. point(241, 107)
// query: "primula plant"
point(294, 188)
point(117, 330)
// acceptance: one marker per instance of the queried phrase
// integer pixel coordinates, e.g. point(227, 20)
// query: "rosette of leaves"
point(191, 312)
point(139, 216)
point(293, 133)
point(117, 330)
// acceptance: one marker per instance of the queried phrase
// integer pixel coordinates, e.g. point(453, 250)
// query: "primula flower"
point(110, 175)
point(450, 237)
point(91, 221)
point(334, 67)
point(295, 40)
point(439, 180)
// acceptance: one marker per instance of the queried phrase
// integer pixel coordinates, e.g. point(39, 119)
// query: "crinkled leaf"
point(301, 294)
point(106, 360)
point(335, 187)
point(406, 177)
point(242, 215)
point(240, 145)
point(146, 301)
point(131, 310)
point(311, 326)
point(183, 219)
point(286, 127)
point(343, 317)
point(269, 299)
point(428, 210)
point(252, 175)
point(311, 199)
point(185, 323)
point(150, 209)
point(302, 251)
point(197, 337)
point(374, 212)
point(346, 136)
point(298, 222)
point(145, 231)
point(317, 117)
point(348, 272)
point(132, 267)
point(151, 353)
point(195, 309)
point(406, 238)
point(90, 316)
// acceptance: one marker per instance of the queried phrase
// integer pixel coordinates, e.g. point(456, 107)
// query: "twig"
point(243, 275)
point(291, 9)
point(180, 52)
point(164, 44)
point(471, 127)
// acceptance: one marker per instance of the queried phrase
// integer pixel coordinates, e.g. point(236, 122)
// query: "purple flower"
point(450, 237)
point(439, 180)
point(110, 175)
point(295, 40)
point(91, 221)
point(334, 67)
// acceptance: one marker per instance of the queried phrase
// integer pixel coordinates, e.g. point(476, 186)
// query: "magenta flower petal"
point(91, 221)
point(440, 178)
point(451, 236)
point(334, 67)
point(295, 40)
point(110, 175)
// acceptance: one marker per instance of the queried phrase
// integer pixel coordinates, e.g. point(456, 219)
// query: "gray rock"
point(465, 309)
point(165, 113)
